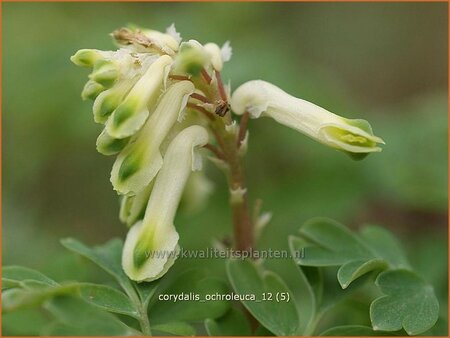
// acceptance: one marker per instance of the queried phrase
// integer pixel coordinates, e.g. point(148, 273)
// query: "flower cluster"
point(160, 100)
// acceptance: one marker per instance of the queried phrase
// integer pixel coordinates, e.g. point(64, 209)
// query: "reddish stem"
point(242, 128)
point(216, 151)
point(206, 76)
point(179, 77)
point(200, 97)
point(222, 92)
point(202, 110)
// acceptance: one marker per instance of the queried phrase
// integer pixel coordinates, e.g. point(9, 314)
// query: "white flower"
point(151, 245)
point(131, 114)
point(260, 98)
point(141, 159)
point(216, 55)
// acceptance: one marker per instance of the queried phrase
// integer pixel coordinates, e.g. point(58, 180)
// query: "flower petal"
point(141, 160)
point(151, 245)
point(131, 114)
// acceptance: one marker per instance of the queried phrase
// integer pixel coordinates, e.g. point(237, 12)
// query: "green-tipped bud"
point(91, 90)
point(132, 113)
point(260, 98)
point(109, 100)
point(139, 162)
point(106, 72)
point(191, 58)
point(151, 245)
point(108, 145)
point(87, 57)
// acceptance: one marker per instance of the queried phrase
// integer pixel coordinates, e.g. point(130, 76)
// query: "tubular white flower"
point(131, 114)
point(260, 98)
point(151, 245)
point(141, 160)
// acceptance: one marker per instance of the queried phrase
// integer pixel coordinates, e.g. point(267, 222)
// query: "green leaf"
point(13, 275)
point(108, 299)
point(329, 243)
point(332, 244)
point(384, 245)
point(439, 329)
point(263, 332)
point(233, 323)
point(23, 323)
point(353, 330)
point(280, 317)
point(303, 292)
point(17, 299)
point(354, 269)
point(174, 329)
point(76, 317)
point(188, 285)
point(106, 256)
point(409, 303)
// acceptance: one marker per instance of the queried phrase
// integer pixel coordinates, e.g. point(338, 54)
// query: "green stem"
point(143, 321)
point(141, 309)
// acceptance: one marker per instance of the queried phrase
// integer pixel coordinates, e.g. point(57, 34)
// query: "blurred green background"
point(384, 62)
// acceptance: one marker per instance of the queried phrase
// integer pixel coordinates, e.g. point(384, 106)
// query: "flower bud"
point(151, 245)
point(141, 160)
point(87, 57)
point(109, 100)
point(131, 114)
point(106, 72)
point(91, 90)
point(108, 145)
point(260, 98)
point(191, 58)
